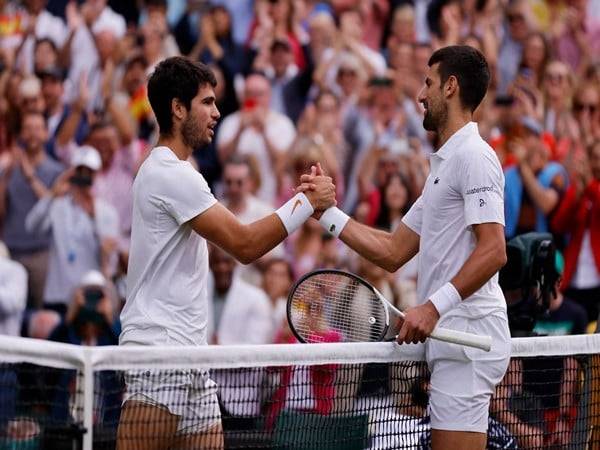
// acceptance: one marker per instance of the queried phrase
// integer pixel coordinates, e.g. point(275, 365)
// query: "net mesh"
point(321, 396)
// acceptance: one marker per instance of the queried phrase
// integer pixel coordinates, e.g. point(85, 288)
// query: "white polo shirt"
point(465, 187)
point(168, 261)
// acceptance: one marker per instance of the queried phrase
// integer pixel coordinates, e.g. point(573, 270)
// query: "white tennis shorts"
point(190, 394)
point(463, 379)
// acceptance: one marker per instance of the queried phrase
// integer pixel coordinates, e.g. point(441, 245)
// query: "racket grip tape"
point(461, 338)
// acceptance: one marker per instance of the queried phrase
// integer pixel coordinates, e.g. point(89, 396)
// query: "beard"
point(435, 117)
point(191, 133)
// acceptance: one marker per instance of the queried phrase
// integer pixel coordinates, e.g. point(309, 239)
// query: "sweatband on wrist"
point(295, 212)
point(334, 220)
point(445, 298)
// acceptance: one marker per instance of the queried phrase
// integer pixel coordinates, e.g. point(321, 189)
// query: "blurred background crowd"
point(299, 81)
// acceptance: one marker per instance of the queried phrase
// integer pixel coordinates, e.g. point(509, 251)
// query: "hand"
point(74, 19)
point(61, 185)
point(83, 96)
point(418, 323)
point(75, 305)
point(321, 192)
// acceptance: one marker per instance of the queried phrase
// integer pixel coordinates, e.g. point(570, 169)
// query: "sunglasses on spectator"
point(580, 106)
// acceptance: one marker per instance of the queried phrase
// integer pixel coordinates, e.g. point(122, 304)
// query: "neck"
point(456, 120)
point(35, 156)
point(182, 151)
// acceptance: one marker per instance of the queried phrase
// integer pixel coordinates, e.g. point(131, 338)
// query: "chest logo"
point(437, 180)
point(481, 203)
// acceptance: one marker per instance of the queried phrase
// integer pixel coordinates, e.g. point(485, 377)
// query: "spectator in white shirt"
point(258, 131)
point(241, 311)
point(84, 228)
point(13, 293)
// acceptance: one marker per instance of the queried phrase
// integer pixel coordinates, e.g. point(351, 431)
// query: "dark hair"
point(175, 78)
point(382, 220)
point(469, 67)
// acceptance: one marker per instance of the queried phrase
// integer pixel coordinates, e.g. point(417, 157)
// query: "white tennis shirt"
point(465, 187)
point(168, 262)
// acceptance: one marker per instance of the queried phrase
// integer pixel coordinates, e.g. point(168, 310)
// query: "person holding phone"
point(83, 228)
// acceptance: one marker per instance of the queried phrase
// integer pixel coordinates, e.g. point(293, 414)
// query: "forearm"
point(122, 121)
point(38, 219)
point(481, 265)
point(544, 199)
point(226, 149)
point(39, 189)
point(69, 127)
point(254, 240)
point(372, 244)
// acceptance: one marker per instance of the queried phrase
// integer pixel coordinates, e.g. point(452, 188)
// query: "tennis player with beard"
point(457, 227)
point(174, 214)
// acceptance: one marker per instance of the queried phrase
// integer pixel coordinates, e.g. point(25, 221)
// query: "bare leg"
point(211, 439)
point(463, 440)
point(145, 427)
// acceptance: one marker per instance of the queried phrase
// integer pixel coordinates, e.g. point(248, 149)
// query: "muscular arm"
point(486, 259)
point(245, 242)
point(387, 250)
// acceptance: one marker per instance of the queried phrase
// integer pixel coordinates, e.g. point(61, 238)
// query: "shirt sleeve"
point(414, 217)
point(185, 193)
point(481, 183)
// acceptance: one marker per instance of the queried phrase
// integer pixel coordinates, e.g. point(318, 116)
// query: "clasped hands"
point(319, 189)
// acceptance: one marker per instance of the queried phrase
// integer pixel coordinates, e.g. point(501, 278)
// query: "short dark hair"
point(179, 78)
point(469, 67)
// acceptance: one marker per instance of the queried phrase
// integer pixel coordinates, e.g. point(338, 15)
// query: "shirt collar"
point(445, 151)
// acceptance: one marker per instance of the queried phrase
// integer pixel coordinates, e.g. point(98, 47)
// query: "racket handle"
point(461, 338)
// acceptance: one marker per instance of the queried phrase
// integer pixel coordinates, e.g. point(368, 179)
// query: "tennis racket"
point(337, 306)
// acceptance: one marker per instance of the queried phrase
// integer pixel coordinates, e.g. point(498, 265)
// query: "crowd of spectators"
point(299, 81)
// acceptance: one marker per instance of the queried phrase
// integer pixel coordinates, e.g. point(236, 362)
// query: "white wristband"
point(334, 220)
point(445, 298)
point(295, 212)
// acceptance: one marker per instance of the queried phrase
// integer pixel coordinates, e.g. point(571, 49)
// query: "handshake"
point(315, 197)
point(319, 189)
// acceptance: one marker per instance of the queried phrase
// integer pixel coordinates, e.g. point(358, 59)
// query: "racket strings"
point(334, 307)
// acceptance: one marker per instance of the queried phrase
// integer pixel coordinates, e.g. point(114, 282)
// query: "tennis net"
point(304, 397)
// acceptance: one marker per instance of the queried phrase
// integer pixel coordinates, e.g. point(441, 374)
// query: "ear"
point(178, 110)
point(451, 86)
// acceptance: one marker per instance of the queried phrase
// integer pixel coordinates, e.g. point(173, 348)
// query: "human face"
point(198, 128)
point(586, 105)
point(396, 195)
point(276, 280)
point(258, 88)
point(222, 266)
point(33, 133)
point(106, 141)
point(236, 178)
point(433, 101)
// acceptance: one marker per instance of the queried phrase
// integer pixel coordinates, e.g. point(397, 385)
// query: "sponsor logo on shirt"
point(437, 180)
point(478, 190)
point(481, 203)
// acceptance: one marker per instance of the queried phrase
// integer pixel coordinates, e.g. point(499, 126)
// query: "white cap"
point(86, 156)
point(93, 278)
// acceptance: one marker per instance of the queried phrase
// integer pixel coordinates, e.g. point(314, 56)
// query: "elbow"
point(500, 257)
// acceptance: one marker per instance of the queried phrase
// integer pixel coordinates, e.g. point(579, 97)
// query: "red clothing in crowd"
point(574, 216)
